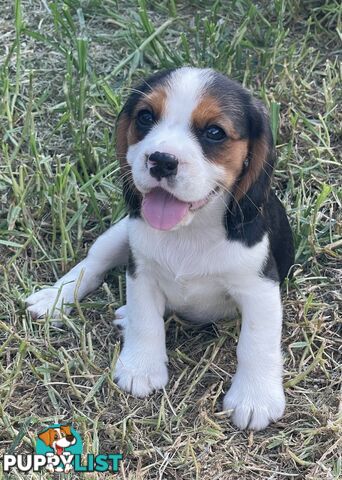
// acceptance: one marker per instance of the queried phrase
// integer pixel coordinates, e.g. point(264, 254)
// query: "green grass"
point(65, 71)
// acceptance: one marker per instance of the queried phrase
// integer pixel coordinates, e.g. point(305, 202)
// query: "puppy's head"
point(186, 136)
point(59, 437)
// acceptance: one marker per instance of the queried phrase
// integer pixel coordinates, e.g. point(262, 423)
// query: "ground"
point(65, 71)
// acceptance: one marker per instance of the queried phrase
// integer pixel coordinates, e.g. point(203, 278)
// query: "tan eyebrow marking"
point(155, 100)
point(209, 111)
point(232, 153)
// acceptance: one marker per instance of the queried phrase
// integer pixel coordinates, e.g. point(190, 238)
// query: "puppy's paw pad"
point(254, 406)
point(141, 376)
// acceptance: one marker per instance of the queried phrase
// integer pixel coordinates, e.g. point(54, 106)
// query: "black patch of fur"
point(246, 229)
point(131, 265)
point(280, 235)
point(250, 230)
point(270, 269)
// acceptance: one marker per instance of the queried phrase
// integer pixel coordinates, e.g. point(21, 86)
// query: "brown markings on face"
point(67, 431)
point(127, 132)
point(48, 436)
point(257, 158)
point(122, 137)
point(229, 154)
point(122, 142)
point(231, 158)
point(209, 112)
point(154, 101)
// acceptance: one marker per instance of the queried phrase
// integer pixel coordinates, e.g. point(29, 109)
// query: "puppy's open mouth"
point(164, 211)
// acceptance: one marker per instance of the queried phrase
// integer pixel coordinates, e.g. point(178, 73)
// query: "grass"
point(65, 71)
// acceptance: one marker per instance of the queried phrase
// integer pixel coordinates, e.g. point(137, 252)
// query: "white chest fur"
point(196, 267)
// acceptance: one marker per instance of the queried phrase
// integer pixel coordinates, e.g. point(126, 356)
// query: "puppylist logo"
point(59, 449)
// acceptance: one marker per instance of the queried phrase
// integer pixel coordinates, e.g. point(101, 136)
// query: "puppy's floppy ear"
point(253, 187)
point(125, 136)
point(66, 429)
point(122, 126)
point(46, 437)
point(131, 195)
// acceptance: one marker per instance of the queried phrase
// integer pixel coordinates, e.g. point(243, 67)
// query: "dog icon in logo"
point(57, 440)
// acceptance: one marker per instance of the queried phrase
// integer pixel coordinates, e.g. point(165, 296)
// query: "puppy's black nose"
point(163, 165)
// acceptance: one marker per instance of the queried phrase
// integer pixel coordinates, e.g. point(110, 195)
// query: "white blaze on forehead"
point(186, 86)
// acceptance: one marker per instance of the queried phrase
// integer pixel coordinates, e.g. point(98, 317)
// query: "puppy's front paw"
point(140, 373)
point(255, 402)
point(48, 301)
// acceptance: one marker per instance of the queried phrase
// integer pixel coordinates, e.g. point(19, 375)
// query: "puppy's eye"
point(213, 133)
point(145, 118)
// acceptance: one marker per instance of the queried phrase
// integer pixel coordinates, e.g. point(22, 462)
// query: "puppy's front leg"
point(141, 367)
point(256, 395)
point(108, 251)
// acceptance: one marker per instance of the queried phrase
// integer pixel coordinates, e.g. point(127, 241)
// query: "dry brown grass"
point(59, 190)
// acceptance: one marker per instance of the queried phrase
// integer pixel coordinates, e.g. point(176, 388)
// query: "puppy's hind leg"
point(109, 250)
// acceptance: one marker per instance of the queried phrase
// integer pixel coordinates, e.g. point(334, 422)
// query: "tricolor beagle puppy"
point(205, 234)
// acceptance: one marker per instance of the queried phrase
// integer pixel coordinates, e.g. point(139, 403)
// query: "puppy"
point(205, 234)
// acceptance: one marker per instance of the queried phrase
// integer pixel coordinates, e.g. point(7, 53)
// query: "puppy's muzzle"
point(163, 165)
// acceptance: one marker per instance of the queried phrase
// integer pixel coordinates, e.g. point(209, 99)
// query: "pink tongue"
point(59, 450)
point(162, 210)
